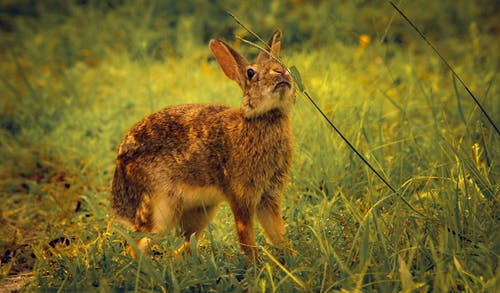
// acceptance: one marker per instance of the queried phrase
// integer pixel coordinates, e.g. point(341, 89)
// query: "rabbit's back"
point(173, 132)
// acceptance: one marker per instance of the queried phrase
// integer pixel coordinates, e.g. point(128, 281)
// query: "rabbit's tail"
point(130, 200)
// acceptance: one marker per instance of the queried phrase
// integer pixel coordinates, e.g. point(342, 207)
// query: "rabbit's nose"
point(279, 70)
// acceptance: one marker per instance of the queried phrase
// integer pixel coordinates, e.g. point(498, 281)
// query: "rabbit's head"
point(266, 84)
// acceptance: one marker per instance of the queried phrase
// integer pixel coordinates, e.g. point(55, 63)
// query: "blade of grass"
point(25, 78)
point(386, 30)
point(364, 249)
point(459, 103)
point(323, 278)
point(138, 274)
point(360, 281)
point(405, 275)
point(287, 272)
point(144, 263)
point(487, 190)
point(447, 65)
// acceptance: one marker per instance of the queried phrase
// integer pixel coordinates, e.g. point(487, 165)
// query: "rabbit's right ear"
point(231, 62)
point(273, 46)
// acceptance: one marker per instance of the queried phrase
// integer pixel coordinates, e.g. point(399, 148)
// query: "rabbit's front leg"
point(243, 218)
point(268, 213)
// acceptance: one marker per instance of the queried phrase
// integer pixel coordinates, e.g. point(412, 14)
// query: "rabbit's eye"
point(250, 73)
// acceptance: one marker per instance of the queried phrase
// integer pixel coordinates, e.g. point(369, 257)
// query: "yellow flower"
point(364, 40)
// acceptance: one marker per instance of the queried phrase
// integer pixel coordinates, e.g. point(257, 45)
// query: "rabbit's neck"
point(272, 128)
point(271, 117)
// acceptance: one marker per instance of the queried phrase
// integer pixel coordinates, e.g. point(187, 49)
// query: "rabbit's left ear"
point(273, 46)
point(232, 63)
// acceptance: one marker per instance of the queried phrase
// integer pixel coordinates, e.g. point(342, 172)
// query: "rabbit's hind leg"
point(193, 221)
point(163, 213)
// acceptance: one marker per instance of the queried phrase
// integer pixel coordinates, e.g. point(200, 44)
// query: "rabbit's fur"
point(176, 166)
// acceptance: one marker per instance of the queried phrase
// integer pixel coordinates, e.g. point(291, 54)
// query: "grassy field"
point(75, 75)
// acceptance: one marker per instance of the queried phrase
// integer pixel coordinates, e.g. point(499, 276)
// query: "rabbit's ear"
point(231, 62)
point(273, 46)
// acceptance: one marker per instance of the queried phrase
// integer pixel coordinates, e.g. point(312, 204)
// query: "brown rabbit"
point(176, 166)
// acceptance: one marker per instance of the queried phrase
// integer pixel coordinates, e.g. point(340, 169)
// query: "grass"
point(76, 76)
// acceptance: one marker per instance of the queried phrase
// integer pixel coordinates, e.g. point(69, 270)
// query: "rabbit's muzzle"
point(282, 84)
point(282, 80)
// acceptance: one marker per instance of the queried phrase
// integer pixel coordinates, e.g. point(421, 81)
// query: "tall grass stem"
point(447, 65)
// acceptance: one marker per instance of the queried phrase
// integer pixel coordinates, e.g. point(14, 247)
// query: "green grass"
point(75, 77)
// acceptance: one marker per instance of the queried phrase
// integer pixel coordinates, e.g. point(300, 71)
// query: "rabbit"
point(175, 167)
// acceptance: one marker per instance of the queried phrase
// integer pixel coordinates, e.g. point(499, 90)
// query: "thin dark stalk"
point(247, 29)
point(447, 65)
point(353, 148)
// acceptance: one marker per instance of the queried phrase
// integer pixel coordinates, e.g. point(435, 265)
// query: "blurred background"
point(75, 75)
